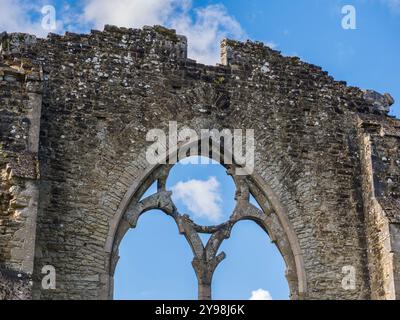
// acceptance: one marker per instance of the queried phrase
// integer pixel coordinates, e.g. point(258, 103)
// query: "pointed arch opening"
point(268, 213)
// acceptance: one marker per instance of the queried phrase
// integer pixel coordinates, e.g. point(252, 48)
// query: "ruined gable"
point(320, 154)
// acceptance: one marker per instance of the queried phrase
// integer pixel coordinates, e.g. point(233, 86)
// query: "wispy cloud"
point(202, 198)
point(394, 5)
point(271, 44)
point(205, 27)
point(18, 16)
point(260, 294)
point(129, 13)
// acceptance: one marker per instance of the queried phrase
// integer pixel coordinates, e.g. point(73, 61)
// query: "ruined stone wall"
point(104, 91)
point(382, 141)
point(20, 109)
point(14, 285)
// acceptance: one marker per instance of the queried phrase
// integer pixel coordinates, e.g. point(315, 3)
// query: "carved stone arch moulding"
point(272, 219)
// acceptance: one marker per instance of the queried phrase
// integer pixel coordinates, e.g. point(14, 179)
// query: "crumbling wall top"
point(251, 59)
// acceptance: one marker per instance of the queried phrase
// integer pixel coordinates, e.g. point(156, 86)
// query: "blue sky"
point(367, 57)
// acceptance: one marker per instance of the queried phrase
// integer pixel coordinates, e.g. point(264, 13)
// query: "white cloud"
point(15, 17)
point(128, 13)
point(206, 30)
point(260, 294)
point(202, 198)
point(271, 44)
point(205, 27)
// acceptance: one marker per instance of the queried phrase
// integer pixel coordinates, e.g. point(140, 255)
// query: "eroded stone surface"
point(326, 155)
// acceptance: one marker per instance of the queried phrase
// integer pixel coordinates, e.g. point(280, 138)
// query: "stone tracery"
point(206, 257)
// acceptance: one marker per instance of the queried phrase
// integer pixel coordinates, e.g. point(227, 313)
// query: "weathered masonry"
point(74, 113)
